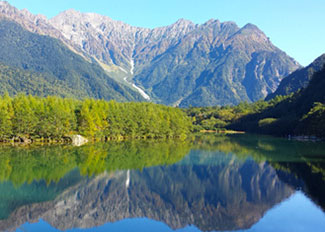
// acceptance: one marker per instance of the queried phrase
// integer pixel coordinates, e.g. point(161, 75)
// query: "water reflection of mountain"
point(225, 183)
point(39, 174)
point(299, 164)
point(229, 195)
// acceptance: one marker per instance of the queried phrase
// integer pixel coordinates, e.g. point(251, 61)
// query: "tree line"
point(222, 117)
point(281, 116)
point(55, 118)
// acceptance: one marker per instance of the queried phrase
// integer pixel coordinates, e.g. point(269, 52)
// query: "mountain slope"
point(229, 69)
point(302, 113)
point(180, 64)
point(15, 80)
point(298, 79)
point(184, 63)
point(55, 62)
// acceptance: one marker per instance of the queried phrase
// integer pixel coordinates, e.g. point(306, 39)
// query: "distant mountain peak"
point(81, 15)
point(183, 21)
point(250, 26)
point(68, 12)
point(6, 8)
point(181, 24)
point(211, 21)
point(4, 3)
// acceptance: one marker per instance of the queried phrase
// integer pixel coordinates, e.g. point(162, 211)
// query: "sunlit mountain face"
point(183, 64)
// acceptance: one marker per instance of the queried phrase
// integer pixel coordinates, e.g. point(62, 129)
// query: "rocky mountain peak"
point(212, 22)
point(5, 4)
point(184, 22)
point(33, 23)
point(175, 30)
point(8, 11)
point(6, 8)
point(251, 30)
point(69, 12)
point(252, 27)
point(74, 16)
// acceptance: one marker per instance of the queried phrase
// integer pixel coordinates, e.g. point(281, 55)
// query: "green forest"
point(53, 118)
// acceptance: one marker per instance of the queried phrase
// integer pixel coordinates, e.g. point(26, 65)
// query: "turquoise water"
point(213, 183)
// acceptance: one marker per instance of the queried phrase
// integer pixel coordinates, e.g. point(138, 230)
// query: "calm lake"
point(213, 183)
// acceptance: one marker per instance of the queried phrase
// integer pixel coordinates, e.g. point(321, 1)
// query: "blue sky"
point(295, 26)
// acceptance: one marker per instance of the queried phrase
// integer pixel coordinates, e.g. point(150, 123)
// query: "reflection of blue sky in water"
point(130, 225)
point(298, 213)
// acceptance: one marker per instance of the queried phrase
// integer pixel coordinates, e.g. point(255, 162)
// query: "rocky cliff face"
point(222, 197)
point(117, 43)
point(180, 64)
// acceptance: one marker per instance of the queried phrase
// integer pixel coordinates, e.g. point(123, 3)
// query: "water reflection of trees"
point(51, 163)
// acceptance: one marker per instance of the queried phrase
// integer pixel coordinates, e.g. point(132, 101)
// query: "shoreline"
point(67, 140)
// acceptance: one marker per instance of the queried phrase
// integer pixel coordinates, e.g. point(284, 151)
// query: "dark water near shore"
point(215, 183)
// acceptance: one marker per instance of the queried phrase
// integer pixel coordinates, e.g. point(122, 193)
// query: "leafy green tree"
point(24, 120)
point(6, 115)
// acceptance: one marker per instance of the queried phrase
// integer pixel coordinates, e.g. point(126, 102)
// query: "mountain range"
point(181, 64)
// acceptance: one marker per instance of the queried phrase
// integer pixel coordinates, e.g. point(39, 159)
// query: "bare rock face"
point(115, 42)
point(180, 64)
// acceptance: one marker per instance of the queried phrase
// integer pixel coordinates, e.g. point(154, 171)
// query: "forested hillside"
point(16, 80)
point(52, 63)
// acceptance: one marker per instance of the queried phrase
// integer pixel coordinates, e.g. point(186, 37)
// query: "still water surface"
point(215, 183)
